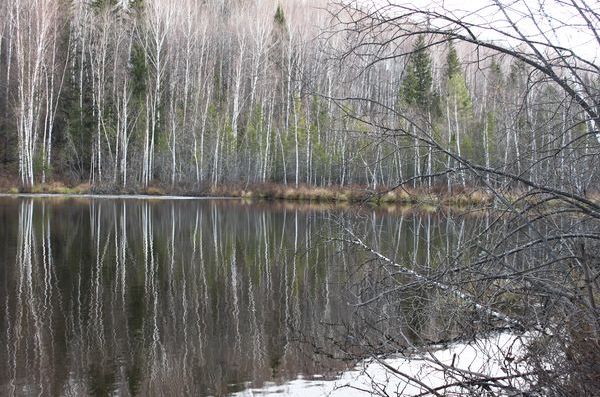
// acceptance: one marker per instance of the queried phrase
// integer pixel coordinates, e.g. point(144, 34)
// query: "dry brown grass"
point(355, 194)
point(468, 197)
point(434, 197)
point(595, 197)
point(58, 187)
point(155, 191)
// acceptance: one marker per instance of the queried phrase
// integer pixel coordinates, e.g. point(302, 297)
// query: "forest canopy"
point(203, 93)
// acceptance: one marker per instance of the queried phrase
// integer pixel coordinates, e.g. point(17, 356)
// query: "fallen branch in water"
point(445, 287)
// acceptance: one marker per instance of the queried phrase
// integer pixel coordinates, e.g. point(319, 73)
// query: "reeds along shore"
point(357, 194)
point(458, 196)
point(330, 194)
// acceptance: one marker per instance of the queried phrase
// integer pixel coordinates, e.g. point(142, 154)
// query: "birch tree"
point(529, 247)
point(158, 24)
point(34, 24)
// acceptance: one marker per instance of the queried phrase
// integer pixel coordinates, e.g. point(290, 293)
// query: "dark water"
point(202, 297)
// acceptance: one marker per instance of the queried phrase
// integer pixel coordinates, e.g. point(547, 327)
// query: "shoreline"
point(115, 196)
point(354, 194)
point(435, 197)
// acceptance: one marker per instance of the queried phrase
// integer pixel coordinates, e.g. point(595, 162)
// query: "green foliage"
point(496, 76)
point(220, 87)
point(416, 87)
point(254, 129)
point(136, 5)
point(292, 113)
point(280, 17)
point(459, 101)
point(76, 112)
point(467, 144)
point(161, 140)
point(103, 4)
point(38, 162)
point(138, 71)
point(452, 62)
point(457, 86)
point(457, 90)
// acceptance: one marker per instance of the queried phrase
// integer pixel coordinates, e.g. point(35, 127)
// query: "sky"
point(558, 20)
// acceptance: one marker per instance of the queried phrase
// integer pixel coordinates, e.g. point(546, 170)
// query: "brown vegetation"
point(435, 197)
point(357, 194)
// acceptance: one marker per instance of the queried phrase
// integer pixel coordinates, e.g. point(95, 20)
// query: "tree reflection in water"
point(201, 297)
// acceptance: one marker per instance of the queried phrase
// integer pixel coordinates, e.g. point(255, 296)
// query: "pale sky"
point(560, 23)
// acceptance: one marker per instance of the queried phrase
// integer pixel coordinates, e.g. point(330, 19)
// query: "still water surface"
point(201, 297)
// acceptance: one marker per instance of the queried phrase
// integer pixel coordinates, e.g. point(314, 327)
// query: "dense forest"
point(498, 99)
point(199, 93)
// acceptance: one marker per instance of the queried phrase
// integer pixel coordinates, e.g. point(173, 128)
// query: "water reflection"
point(198, 297)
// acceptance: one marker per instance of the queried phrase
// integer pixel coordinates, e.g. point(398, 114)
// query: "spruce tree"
point(457, 86)
point(280, 17)
point(418, 81)
point(460, 105)
point(452, 62)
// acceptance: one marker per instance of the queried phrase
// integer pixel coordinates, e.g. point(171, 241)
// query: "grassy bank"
point(459, 197)
point(271, 191)
point(357, 194)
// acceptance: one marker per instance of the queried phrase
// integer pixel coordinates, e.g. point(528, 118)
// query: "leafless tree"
point(534, 264)
point(35, 26)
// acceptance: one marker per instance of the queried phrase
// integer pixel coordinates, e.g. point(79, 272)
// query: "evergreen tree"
point(418, 81)
point(496, 74)
point(280, 17)
point(457, 86)
point(452, 62)
point(104, 4)
point(137, 5)
point(138, 71)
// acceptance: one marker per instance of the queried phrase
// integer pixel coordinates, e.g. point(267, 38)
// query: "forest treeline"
point(206, 92)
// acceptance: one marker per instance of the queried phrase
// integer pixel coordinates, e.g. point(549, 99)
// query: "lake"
point(208, 297)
